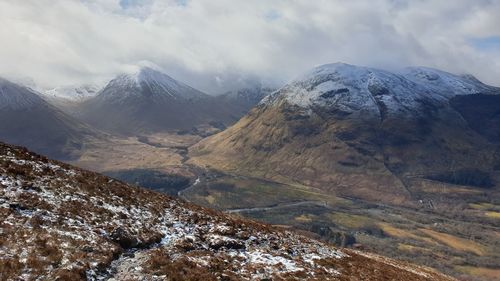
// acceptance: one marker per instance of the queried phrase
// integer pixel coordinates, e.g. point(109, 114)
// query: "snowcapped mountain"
point(443, 83)
point(63, 223)
point(368, 92)
point(151, 101)
point(149, 83)
point(27, 119)
point(367, 133)
point(69, 98)
point(16, 97)
point(73, 93)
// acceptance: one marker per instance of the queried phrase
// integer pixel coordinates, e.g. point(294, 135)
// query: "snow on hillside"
point(16, 97)
point(73, 93)
point(61, 222)
point(250, 95)
point(352, 88)
point(444, 83)
point(149, 83)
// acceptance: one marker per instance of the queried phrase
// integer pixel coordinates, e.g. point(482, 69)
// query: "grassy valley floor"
point(466, 245)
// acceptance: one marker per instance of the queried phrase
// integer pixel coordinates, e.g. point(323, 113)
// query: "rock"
point(124, 238)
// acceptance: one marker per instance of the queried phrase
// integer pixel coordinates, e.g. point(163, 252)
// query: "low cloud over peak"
point(217, 45)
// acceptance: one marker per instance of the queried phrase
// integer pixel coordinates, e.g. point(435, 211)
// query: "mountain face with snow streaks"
point(151, 101)
point(366, 133)
point(73, 93)
point(27, 119)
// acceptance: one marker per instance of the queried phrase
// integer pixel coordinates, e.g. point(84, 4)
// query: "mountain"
point(151, 101)
point(69, 98)
point(26, 119)
point(62, 223)
point(73, 93)
point(242, 100)
point(367, 133)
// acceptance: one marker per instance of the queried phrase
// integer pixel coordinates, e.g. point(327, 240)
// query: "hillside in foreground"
point(63, 223)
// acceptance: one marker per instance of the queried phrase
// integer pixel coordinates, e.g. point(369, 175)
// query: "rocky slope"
point(366, 133)
point(62, 223)
point(150, 101)
point(26, 119)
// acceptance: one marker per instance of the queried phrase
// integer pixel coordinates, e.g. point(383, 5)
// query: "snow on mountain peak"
point(341, 69)
point(445, 83)
point(149, 74)
point(74, 92)
point(16, 97)
point(148, 82)
point(348, 87)
point(366, 90)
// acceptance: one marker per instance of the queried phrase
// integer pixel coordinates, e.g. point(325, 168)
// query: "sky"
point(220, 45)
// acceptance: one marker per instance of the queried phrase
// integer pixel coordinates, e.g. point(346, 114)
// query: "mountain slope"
point(68, 98)
point(363, 132)
point(151, 101)
point(63, 223)
point(26, 119)
point(242, 100)
point(73, 93)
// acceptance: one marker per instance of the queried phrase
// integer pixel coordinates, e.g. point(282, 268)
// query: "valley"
point(318, 162)
point(458, 237)
point(190, 140)
point(65, 223)
point(443, 240)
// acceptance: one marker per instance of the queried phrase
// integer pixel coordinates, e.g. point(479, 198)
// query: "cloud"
point(221, 44)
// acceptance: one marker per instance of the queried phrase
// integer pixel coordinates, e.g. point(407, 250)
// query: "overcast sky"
point(216, 45)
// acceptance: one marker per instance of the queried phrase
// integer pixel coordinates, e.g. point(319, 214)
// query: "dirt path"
point(278, 206)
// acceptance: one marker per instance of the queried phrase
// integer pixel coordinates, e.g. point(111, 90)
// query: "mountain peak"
point(447, 84)
point(147, 83)
point(148, 75)
point(16, 97)
point(352, 88)
point(339, 68)
point(73, 92)
point(146, 70)
point(150, 101)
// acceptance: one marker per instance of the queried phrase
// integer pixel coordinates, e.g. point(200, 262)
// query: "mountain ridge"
point(27, 119)
point(152, 82)
point(151, 101)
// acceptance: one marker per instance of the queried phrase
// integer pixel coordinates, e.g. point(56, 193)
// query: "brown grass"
point(491, 273)
point(492, 214)
point(350, 220)
point(181, 269)
point(397, 232)
point(129, 153)
point(10, 268)
point(455, 242)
